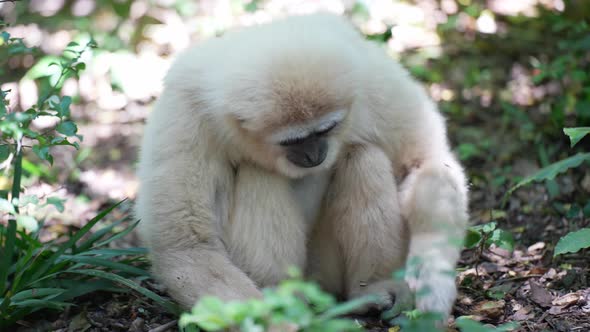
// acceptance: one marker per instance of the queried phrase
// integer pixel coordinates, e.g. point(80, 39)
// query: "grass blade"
point(36, 293)
point(118, 235)
point(346, 307)
point(98, 235)
point(168, 305)
point(43, 268)
point(95, 261)
point(7, 254)
point(114, 252)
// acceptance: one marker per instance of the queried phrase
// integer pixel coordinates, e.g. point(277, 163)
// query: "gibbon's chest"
point(309, 193)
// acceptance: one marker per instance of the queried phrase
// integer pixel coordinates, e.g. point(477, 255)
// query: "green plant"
point(293, 302)
point(574, 241)
point(36, 275)
point(483, 236)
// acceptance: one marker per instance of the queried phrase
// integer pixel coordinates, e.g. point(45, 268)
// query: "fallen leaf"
point(566, 300)
point(540, 295)
point(490, 309)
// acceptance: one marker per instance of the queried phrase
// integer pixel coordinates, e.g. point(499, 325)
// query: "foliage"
point(485, 235)
point(573, 242)
point(551, 171)
point(576, 134)
point(468, 325)
point(35, 275)
point(293, 302)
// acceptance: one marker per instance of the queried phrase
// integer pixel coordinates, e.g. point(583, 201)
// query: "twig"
point(13, 1)
point(164, 327)
point(518, 278)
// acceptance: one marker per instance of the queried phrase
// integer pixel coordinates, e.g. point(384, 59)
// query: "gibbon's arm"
point(433, 200)
point(184, 193)
point(403, 120)
point(365, 217)
point(266, 233)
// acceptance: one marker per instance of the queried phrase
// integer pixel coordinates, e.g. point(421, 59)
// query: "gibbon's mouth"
point(307, 154)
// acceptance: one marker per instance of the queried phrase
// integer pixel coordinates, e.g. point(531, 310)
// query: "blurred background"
point(509, 75)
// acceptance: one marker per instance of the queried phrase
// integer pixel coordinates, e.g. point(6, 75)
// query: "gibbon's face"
point(296, 150)
point(309, 147)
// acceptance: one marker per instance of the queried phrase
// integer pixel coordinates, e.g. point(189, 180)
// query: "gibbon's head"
point(292, 117)
point(296, 121)
point(279, 94)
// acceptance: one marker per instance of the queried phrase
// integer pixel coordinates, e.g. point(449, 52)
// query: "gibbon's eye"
point(292, 141)
point(326, 129)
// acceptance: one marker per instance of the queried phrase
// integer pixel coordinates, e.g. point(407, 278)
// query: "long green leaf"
point(43, 268)
point(118, 235)
point(36, 293)
point(169, 306)
point(42, 304)
point(7, 253)
point(98, 235)
point(76, 288)
point(551, 171)
point(114, 252)
point(96, 261)
point(346, 307)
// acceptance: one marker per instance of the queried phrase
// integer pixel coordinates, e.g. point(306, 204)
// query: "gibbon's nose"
point(309, 153)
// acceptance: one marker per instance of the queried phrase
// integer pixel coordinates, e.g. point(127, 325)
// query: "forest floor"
point(527, 285)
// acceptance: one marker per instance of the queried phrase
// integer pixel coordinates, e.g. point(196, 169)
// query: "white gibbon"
point(299, 143)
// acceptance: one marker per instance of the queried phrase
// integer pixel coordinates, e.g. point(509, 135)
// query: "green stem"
point(18, 170)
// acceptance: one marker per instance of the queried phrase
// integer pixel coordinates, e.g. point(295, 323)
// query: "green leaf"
point(6, 258)
point(347, 307)
point(41, 303)
point(466, 324)
point(96, 261)
point(36, 293)
point(502, 239)
point(5, 36)
point(4, 152)
point(43, 153)
point(63, 108)
point(169, 306)
point(67, 128)
point(551, 171)
point(42, 269)
point(573, 242)
point(576, 134)
point(6, 206)
point(87, 244)
point(472, 238)
point(29, 223)
point(57, 202)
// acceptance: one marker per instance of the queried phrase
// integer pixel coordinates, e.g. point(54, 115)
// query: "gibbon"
point(299, 143)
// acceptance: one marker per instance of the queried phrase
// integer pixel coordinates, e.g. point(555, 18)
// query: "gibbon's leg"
point(361, 231)
point(434, 202)
point(267, 232)
point(178, 206)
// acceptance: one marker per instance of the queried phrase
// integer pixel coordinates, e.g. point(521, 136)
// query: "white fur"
point(225, 213)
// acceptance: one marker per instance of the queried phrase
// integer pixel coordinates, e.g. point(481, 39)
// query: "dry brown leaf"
point(540, 295)
point(490, 309)
point(566, 300)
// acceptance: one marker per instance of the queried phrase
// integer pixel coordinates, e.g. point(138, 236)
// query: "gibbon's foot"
point(391, 296)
